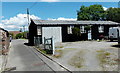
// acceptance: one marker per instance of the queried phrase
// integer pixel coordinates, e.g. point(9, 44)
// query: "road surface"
point(26, 58)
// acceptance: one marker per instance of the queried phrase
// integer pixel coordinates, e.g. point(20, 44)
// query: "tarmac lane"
point(25, 58)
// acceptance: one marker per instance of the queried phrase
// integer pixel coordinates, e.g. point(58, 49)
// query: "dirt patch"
point(58, 54)
point(77, 60)
point(107, 61)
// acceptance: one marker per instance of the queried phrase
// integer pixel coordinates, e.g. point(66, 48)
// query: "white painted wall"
point(48, 32)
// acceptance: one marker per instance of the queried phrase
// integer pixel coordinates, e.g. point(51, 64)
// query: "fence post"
point(37, 42)
point(53, 46)
point(34, 41)
point(44, 42)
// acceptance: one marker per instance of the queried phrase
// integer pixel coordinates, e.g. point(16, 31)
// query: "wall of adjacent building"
point(4, 47)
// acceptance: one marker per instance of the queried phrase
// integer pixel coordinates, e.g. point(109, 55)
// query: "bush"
point(76, 31)
point(22, 35)
point(87, 28)
point(19, 35)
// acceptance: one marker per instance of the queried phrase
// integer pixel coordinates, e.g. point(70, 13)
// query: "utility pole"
point(28, 15)
point(24, 28)
point(28, 25)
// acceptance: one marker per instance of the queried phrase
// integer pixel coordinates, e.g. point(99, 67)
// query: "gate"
point(37, 41)
point(49, 44)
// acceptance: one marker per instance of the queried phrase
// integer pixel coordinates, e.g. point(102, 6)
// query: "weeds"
point(77, 60)
point(59, 46)
point(105, 59)
point(58, 53)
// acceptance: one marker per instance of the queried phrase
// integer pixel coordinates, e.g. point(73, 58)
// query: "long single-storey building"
point(62, 30)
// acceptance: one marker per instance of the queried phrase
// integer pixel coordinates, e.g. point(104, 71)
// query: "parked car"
point(114, 33)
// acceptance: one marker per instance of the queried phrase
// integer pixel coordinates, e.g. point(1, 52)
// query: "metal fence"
point(37, 41)
point(49, 44)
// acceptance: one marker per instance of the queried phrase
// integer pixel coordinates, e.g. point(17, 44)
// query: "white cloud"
point(2, 17)
point(105, 8)
point(12, 26)
point(17, 21)
point(1, 25)
point(62, 18)
point(49, 0)
point(9, 27)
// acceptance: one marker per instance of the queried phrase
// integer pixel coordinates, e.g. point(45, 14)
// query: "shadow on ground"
point(117, 46)
point(28, 44)
point(112, 41)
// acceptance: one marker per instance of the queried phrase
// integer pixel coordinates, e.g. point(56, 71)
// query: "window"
point(82, 29)
point(101, 29)
point(39, 30)
point(69, 28)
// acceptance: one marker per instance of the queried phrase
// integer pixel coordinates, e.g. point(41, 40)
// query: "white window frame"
point(69, 29)
point(39, 30)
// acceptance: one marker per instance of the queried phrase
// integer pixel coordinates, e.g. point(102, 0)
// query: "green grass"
point(59, 46)
point(41, 50)
point(102, 55)
point(107, 54)
point(45, 51)
point(104, 58)
point(100, 51)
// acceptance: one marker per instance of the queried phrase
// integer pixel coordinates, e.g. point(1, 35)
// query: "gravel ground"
point(88, 55)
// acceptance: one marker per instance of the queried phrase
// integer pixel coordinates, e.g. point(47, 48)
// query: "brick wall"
point(4, 42)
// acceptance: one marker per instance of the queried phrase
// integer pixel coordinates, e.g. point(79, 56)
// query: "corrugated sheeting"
point(62, 22)
point(54, 32)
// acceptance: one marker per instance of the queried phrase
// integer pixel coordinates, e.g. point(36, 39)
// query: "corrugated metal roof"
point(62, 22)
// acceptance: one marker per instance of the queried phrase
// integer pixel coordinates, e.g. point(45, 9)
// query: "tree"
point(93, 12)
point(113, 14)
point(19, 35)
point(83, 14)
point(22, 35)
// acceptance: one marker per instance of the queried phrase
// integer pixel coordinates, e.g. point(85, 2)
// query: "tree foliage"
point(76, 31)
point(96, 12)
point(22, 35)
point(113, 14)
point(93, 12)
point(19, 35)
point(87, 28)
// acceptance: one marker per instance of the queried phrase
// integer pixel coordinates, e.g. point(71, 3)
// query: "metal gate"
point(49, 44)
point(37, 41)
